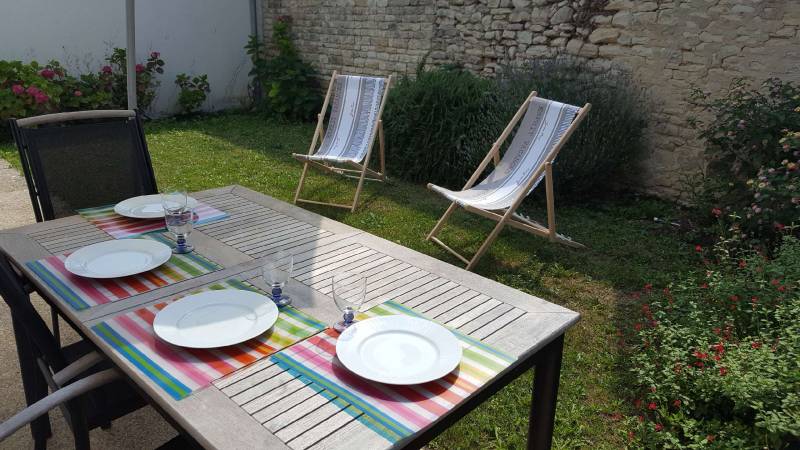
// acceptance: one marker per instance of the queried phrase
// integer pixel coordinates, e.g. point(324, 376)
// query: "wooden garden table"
point(261, 407)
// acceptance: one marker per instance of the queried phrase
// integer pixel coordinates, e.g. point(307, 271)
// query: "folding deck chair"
point(355, 120)
point(545, 128)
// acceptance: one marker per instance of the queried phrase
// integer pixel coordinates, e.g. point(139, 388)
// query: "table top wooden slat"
point(261, 405)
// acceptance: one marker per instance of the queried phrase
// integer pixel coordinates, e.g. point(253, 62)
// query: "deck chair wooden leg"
point(551, 209)
point(488, 242)
point(360, 184)
point(441, 221)
point(300, 184)
point(382, 149)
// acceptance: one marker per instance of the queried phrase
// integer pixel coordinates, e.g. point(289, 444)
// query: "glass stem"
point(180, 241)
point(277, 292)
point(348, 317)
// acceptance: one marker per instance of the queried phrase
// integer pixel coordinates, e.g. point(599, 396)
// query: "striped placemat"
point(120, 227)
point(82, 293)
point(393, 412)
point(180, 371)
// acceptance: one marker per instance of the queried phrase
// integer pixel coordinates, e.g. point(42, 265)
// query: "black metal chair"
point(82, 159)
point(85, 386)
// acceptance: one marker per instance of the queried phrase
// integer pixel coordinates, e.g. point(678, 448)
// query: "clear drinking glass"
point(179, 219)
point(277, 270)
point(349, 291)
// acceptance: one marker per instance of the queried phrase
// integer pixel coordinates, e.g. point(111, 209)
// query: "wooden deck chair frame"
point(357, 171)
point(509, 216)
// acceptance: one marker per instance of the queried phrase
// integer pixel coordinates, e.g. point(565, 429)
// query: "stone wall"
point(670, 45)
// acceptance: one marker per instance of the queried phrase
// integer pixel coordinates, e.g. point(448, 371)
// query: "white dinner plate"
point(118, 258)
point(398, 350)
point(146, 207)
point(215, 318)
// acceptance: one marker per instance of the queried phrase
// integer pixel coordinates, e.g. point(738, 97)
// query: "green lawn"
point(625, 251)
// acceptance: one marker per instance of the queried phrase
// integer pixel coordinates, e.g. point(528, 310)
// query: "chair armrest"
point(58, 397)
point(80, 365)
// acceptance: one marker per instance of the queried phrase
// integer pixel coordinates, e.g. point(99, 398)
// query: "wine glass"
point(277, 270)
point(349, 291)
point(179, 219)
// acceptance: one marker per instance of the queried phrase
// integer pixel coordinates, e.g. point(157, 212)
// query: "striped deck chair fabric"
point(354, 113)
point(540, 130)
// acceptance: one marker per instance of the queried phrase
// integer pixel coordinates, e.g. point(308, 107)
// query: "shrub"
point(28, 89)
point(291, 89)
point(193, 91)
point(717, 359)
point(608, 142)
point(745, 139)
point(440, 125)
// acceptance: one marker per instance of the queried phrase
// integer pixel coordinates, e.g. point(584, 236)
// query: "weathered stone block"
point(603, 36)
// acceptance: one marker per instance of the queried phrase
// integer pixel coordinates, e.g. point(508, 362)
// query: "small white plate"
point(215, 318)
point(398, 350)
point(146, 207)
point(118, 258)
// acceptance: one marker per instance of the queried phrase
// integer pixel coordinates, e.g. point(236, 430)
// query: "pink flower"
point(698, 248)
point(47, 73)
point(676, 403)
point(652, 406)
point(106, 69)
point(32, 90)
point(716, 212)
point(723, 371)
point(77, 93)
point(755, 345)
point(659, 427)
point(139, 68)
point(41, 97)
point(17, 89)
point(155, 55)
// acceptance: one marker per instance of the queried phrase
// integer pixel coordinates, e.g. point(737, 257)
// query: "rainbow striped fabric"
point(82, 293)
point(180, 371)
point(393, 412)
point(120, 227)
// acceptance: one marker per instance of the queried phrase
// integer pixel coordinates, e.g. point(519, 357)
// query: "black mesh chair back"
point(83, 159)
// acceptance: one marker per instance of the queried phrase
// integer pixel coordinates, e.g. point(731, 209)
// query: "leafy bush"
point(193, 91)
point(717, 359)
point(114, 75)
point(28, 89)
point(746, 140)
point(291, 88)
point(440, 125)
point(608, 141)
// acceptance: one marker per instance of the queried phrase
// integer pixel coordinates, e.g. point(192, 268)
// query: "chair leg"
point(551, 209)
point(300, 184)
point(360, 185)
point(442, 220)
point(487, 243)
point(382, 150)
point(56, 327)
point(33, 384)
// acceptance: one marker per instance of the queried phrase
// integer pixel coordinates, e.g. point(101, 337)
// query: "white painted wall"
point(193, 36)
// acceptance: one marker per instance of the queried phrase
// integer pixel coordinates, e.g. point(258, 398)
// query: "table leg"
point(545, 393)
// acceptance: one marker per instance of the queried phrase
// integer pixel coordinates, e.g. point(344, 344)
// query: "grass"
point(625, 250)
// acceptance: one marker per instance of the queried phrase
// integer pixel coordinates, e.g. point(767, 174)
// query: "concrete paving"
point(143, 429)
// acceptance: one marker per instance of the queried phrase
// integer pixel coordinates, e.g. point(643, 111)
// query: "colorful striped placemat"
point(120, 227)
point(82, 293)
point(393, 412)
point(180, 371)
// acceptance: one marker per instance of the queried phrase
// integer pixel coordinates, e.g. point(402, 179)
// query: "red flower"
point(139, 68)
point(17, 89)
point(32, 90)
point(755, 345)
point(716, 330)
point(77, 93)
point(637, 327)
point(781, 288)
point(652, 406)
point(698, 248)
point(699, 364)
point(659, 427)
point(779, 226)
point(676, 403)
point(641, 418)
point(775, 282)
point(631, 435)
point(648, 286)
point(47, 73)
point(723, 371)
point(716, 212)
point(742, 264)
point(734, 298)
point(666, 291)
point(41, 97)
point(106, 69)
point(155, 55)
point(710, 438)
point(754, 299)
point(700, 355)
point(718, 347)
point(704, 286)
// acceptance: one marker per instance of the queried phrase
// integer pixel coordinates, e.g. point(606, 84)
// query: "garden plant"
point(193, 91)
